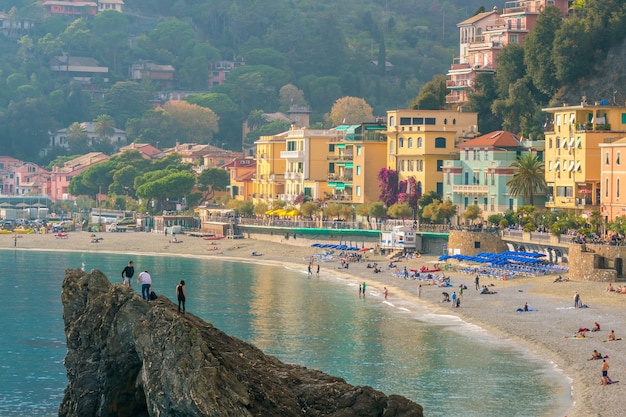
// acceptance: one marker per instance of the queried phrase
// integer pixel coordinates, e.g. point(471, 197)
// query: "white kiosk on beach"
point(400, 238)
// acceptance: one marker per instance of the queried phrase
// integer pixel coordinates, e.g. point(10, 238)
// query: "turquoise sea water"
point(449, 367)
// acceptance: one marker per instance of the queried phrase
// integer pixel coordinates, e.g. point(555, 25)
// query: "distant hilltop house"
point(80, 70)
point(145, 149)
point(203, 156)
point(59, 138)
point(161, 75)
point(218, 71)
point(15, 26)
point(79, 8)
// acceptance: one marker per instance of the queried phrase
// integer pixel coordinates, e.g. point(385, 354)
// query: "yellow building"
point(573, 162)
point(613, 179)
point(418, 141)
point(306, 164)
point(269, 181)
point(355, 156)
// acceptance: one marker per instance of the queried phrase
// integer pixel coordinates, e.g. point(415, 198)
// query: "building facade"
point(480, 175)
point(574, 159)
point(269, 181)
point(612, 179)
point(355, 155)
point(418, 141)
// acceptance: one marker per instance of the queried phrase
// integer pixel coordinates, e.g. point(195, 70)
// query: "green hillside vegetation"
point(324, 49)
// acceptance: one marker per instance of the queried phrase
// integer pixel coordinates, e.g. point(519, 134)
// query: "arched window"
point(606, 188)
point(401, 143)
point(445, 121)
point(391, 147)
point(392, 120)
point(410, 143)
point(419, 142)
point(440, 143)
point(454, 121)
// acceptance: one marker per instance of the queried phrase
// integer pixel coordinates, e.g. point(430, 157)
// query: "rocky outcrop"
point(128, 357)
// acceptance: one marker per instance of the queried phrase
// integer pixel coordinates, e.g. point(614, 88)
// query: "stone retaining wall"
point(472, 243)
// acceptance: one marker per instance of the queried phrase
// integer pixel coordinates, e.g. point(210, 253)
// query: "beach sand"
point(546, 333)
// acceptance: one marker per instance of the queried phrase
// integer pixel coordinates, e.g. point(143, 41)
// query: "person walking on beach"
point(181, 295)
point(576, 300)
point(385, 292)
point(363, 287)
point(145, 280)
point(453, 298)
point(127, 273)
point(318, 270)
point(309, 270)
point(477, 282)
point(419, 291)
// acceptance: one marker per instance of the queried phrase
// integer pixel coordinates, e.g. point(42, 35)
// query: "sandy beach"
point(547, 333)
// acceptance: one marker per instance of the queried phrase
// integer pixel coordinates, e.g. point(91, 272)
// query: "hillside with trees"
point(380, 51)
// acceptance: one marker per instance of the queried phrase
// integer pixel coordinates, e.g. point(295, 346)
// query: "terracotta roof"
point(477, 17)
point(497, 139)
point(247, 176)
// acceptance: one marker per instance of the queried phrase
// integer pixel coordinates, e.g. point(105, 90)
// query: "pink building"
point(7, 171)
point(70, 7)
point(60, 177)
point(484, 35)
point(218, 71)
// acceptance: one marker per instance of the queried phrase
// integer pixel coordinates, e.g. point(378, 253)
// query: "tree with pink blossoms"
point(388, 186)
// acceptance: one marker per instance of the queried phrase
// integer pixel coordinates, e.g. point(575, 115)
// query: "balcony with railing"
point(293, 175)
point(523, 6)
point(291, 154)
point(453, 98)
point(341, 157)
point(457, 83)
point(470, 189)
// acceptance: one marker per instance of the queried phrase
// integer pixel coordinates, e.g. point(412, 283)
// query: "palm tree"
point(104, 126)
point(256, 119)
point(528, 179)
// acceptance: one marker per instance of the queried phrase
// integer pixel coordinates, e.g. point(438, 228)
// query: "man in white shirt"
point(145, 280)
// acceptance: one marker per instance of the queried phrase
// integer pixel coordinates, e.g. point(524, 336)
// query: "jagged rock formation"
point(127, 357)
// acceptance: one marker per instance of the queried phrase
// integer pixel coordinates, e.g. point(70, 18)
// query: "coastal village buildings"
point(203, 156)
point(418, 141)
point(574, 157)
point(60, 177)
point(480, 176)
point(483, 36)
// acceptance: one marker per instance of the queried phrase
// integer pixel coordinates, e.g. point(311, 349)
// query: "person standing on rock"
point(127, 273)
point(145, 280)
point(181, 295)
